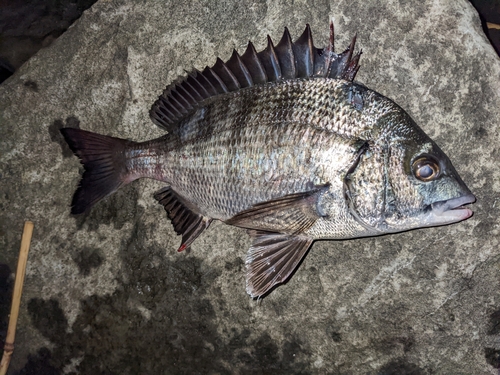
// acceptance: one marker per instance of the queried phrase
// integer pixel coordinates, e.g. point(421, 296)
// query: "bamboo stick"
point(491, 25)
point(16, 297)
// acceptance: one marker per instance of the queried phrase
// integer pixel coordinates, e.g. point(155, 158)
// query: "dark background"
point(28, 25)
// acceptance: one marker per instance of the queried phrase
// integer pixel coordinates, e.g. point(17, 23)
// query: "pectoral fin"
point(293, 213)
point(271, 260)
point(185, 219)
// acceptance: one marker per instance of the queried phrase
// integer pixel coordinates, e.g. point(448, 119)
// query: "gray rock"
point(107, 293)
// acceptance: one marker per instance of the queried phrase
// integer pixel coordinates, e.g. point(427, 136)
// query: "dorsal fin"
point(286, 60)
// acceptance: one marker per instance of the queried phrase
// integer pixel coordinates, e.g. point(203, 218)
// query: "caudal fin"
point(104, 161)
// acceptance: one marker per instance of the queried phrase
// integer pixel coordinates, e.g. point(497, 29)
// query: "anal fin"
point(271, 260)
point(185, 219)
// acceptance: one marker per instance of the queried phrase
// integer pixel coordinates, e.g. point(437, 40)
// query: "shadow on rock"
point(161, 319)
point(400, 367)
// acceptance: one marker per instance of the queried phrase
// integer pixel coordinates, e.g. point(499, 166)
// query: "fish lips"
point(449, 211)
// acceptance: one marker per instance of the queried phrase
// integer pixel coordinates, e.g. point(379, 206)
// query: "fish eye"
point(426, 169)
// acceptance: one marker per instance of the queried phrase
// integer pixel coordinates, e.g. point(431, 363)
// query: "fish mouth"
point(450, 211)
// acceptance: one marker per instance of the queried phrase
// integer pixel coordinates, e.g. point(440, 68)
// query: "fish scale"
point(233, 171)
point(283, 143)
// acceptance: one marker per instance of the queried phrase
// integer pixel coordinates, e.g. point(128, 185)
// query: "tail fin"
point(104, 161)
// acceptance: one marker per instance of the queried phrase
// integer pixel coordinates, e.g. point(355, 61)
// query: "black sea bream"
point(283, 143)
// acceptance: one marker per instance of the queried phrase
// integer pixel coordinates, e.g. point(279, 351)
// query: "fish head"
point(403, 181)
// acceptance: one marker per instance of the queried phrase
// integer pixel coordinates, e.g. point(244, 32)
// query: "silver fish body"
point(307, 155)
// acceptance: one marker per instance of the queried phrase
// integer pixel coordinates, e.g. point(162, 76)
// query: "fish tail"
point(104, 160)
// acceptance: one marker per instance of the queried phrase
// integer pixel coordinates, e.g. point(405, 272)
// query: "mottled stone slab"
point(107, 293)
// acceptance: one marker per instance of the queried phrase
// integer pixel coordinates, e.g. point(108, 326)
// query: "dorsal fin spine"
point(351, 46)
point(270, 61)
point(255, 67)
point(182, 98)
point(188, 86)
point(177, 103)
point(303, 50)
point(200, 89)
point(218, 84)
point(166, 115)
point(226, 75)
point(169, 105)
point(239, 69)
point(183, 91)
point(209, 88)
point(286, 58)
point(331, 44)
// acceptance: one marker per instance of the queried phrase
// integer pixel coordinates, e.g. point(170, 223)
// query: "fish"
point(285, 144)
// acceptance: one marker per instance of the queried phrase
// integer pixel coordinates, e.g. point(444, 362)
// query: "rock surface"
point(106, 293)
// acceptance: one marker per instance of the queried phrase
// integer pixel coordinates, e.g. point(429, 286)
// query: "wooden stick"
point(491, 25)
point(16, 297)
